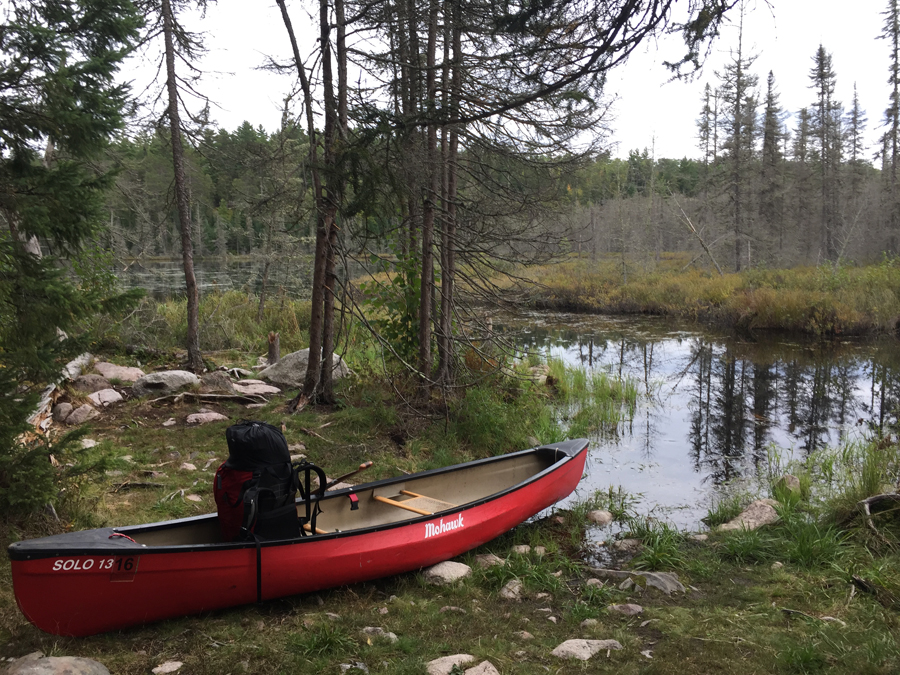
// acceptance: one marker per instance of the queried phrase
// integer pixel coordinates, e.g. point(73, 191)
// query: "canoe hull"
point(111, 589)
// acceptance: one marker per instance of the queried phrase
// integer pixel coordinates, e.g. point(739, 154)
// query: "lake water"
point(712, 408)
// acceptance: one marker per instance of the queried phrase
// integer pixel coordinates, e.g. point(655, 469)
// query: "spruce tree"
point(59, 106)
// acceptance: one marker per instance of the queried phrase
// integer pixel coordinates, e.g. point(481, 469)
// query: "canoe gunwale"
point(99, 541)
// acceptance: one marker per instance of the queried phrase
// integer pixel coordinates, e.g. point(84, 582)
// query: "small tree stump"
point(274, 347)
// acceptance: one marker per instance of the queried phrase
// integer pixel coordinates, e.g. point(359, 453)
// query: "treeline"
point(761, 193)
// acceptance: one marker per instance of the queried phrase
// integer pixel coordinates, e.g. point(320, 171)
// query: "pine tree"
point(738, 121)
point(827, 146)
point(891, 137)
point(771, 178)
point(57, 91)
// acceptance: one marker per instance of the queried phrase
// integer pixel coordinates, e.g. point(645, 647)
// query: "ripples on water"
point(711, 407)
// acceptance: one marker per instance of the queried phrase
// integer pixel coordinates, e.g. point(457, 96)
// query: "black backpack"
point(256, 487)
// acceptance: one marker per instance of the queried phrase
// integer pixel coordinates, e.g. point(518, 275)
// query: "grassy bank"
point(826, 300)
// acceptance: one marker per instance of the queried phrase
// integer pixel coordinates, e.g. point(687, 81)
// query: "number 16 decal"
point(124, 568)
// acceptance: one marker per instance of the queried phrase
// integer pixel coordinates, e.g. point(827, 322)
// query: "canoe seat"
point(424, 506)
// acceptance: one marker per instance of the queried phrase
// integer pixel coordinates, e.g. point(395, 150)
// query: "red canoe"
point(89, 582)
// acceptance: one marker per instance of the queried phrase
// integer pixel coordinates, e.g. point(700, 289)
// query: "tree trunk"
point(194, 358)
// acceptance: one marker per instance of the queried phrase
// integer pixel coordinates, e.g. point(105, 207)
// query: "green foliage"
point(396, 304)
point(745, 546)
point(323, 640)
point(662, 544)
point(58, 68)
point(724, 508)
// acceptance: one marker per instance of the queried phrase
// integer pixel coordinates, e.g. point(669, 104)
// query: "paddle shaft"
point(362, 467)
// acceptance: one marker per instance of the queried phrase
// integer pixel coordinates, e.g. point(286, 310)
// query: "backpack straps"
point(304, 485)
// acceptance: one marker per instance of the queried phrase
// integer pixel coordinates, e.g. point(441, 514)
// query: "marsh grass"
point(591, 403)
point(662, 544)
point(825, 300)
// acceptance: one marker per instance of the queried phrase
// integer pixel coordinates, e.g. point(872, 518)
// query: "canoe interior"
point(432, 492)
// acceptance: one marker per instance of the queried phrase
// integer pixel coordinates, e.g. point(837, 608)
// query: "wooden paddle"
point(362, 467)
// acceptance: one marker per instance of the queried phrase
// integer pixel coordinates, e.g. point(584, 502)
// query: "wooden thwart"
point(416, 503)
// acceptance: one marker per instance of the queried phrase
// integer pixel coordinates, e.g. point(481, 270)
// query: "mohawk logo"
point(434, 529)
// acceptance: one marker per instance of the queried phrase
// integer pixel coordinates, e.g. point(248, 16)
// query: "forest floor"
point(777, 600)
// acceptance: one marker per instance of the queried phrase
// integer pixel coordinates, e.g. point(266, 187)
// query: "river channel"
point(714, 409)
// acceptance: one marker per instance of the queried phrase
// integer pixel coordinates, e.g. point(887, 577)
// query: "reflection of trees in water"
point(743, 396)
point(883, 403)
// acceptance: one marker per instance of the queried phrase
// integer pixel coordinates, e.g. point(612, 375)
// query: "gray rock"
point(82, 414)
point(627, 609)
point(662, 581)
point(600, 517)
point(446, 572)
point(444, 665)
point(759, 513)
point(485, 560)
point(122, 373)
point(699, 538)
point(523, 635)
point(61, 411)
point(255, 388)
point(512, 590)
point(105, 397)
point(451, 608)
point(589, 623)
point(584, 649)
point(164, 382)
point(539, 373)
point(167, 667)
point(55, 665)
point(379, 632)
point(240, 372)
point(205, 418)
point(788, 484)
point(291, 369)
point(356, 666)
point(91, 383)
point(169, 422)
point(627, 545)
point(216, 382)
point(483, 668)
point(521, 549)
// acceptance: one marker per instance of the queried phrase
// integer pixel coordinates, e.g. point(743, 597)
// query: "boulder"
point(291, 369)
point(787, 486)
point(164, 382)
point(262, 388)
point(447, 572)
point(82, 414)
point(584, 649)
point(61, 411)
point(105, 397)
point(599, 517)
point(662, 581)
point(445, 664)
point(483, 668)
point(122, 373)
point(512, 590)
point(216, 382)
point(205, 417)
point(759, 513)
point(627, 609)
point(91, 383)
point(379, 632)
point(33, 664)
point(632, 546)
point(485, 560)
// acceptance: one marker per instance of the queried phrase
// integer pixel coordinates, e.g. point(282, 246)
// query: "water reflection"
point(713, 406)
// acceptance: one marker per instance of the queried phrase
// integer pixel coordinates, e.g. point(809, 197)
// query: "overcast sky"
point(239, 35)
